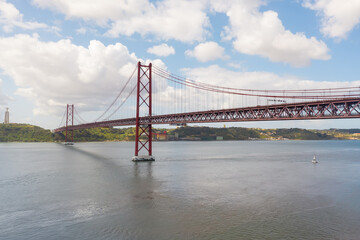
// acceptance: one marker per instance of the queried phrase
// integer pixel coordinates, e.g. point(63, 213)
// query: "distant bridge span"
point(330, 109)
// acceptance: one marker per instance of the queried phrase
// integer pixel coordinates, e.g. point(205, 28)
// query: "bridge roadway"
point(325, 109)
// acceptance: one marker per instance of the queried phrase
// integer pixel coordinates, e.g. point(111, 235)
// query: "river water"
point(194, 190)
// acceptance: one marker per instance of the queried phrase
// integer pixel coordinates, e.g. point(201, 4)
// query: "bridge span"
point(330, 109)
point(308, 104)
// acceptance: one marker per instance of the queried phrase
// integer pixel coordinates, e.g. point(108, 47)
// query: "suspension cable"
point(189, 81)
point(122, 103)
point(263, 93)
point(117, 97)
point(63, 118)
point(78, 115)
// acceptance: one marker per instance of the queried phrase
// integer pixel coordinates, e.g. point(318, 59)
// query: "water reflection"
point(92, 155)
point(143, 170)
point(144, 184)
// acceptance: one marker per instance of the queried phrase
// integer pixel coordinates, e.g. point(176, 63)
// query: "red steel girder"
point(329, 109)
point(69, 131)
point(143, 135)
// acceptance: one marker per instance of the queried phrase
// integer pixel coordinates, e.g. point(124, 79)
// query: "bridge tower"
point(143, 137)
point(69, 134)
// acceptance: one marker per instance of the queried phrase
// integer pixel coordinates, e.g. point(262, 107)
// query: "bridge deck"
point(329, 109)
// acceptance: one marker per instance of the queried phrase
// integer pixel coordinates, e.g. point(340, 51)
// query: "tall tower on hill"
point(7, 116)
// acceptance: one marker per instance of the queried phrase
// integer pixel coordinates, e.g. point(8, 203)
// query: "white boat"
point(314, 160)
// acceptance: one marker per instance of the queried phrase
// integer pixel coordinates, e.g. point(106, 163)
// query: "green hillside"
point(104, 134)
point(234, 133)
point(207, 133)
point(29, 133)
point(24, 133)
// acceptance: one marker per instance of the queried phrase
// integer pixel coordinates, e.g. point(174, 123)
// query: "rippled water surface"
point(194, 190)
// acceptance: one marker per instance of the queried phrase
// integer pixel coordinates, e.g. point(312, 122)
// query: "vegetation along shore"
point(30, 133)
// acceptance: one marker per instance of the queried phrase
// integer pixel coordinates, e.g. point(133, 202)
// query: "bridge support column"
point(69, 134)
point(143, 137)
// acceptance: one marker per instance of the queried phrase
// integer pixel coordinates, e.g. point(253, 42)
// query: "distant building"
point(7, 116)
point(160, 136)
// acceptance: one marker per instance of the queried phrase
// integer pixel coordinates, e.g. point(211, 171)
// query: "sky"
point(54, 52)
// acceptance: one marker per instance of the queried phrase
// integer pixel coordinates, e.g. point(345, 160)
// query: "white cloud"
point(207, 51)
point(262, 33)
point(163, 19)
point(3, 98)
point(81, 30)
point(98, 11)
point(10, 17)
point(162, 50)
point(252, 31)
point(238, 65)
point(339, 17)
point(52, 74)
point(217, 75)
point(87, 30)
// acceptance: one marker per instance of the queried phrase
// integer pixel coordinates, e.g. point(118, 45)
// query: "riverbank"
point(30, 133)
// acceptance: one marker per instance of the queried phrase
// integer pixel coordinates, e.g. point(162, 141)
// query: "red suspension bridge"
point(160, 97)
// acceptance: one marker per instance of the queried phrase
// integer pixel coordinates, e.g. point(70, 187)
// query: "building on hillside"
point(7, 116)
point(160, 136)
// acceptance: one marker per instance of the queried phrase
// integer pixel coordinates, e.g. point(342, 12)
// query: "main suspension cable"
point(63, 118)
point(117, 97)
point(78, 115)
point(122, 103)
point(340, 92)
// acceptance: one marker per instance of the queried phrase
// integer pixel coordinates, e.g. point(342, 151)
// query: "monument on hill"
point(7, 116)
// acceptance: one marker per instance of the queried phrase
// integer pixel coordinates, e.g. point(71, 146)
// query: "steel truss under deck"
point(329, 109)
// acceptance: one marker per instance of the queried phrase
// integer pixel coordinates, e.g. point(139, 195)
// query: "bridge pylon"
point(143, 137)
point(69, 133)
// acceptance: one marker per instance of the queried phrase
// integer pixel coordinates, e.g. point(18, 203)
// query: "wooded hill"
point(30, 133)
point(24, 133)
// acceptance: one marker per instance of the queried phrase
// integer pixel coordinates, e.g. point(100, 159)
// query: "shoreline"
point(247, 140)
